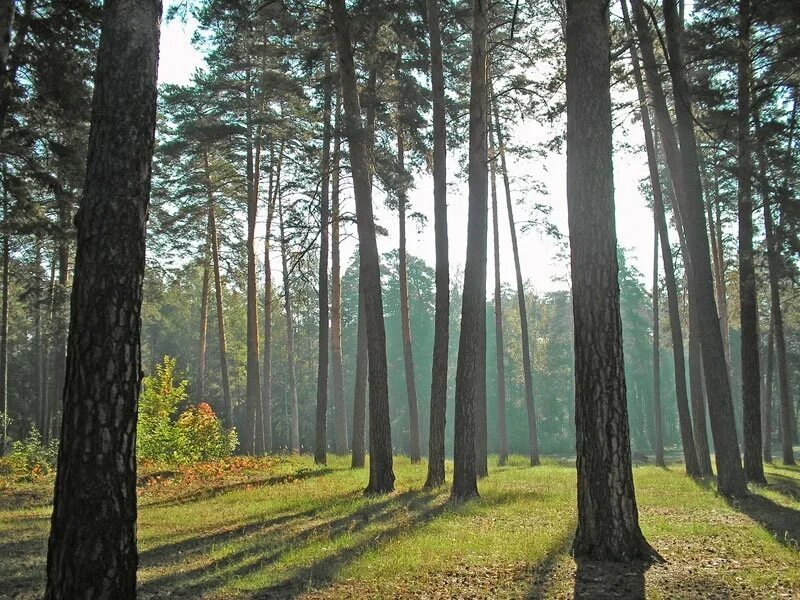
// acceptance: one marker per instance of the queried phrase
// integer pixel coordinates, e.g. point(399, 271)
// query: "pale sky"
point(179, 59)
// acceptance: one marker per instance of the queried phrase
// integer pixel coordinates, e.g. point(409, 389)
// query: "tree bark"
point(498, 312)
point(294, 416)
point(530, 405)
point(321, 432)
point(659, 214)
point(203, 335)
point(766, 407)
point(360, 391)
point(381, 475)
point(608, 521)
point(441, 327)
point(657, 418)
point(471, 362)
point(4, 323)
point(92, 545)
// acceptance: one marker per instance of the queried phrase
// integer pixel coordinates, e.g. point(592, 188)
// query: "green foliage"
point(30, 456)
point(196, 435)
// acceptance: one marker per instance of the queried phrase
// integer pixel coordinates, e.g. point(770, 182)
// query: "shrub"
point(201, 435)
point(30, 456)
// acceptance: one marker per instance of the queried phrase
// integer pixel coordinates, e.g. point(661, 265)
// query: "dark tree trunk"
point(339, 409)
point(405, 318)
point(38, 345)
point(92, 546)
point(748, 313)
point(60, 305)
point(498, 312)
point(681, 395)
point(766, 398)
point(227, 408)
point(321, 432)
point(608, 520)
point(381, 475)
point(471, 361)
point(527, 369)
point(718, 267)
point(360, 391)
point(685, 171)
point(4, 324)
point(11, 58)
point(657, 419)
point(203, 335)
point(294, 415)
point(441, 332)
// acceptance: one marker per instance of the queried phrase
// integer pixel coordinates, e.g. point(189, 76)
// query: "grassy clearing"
point(281, 527)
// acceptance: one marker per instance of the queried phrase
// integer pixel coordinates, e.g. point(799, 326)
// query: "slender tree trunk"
point(60, 306)
point(608, 521)
point(657, 422)
point(38, 343)
point(360, 392)
point(498, 312)
point(766, 407)
point(339, 409)
point(203, 336)
point(718, 266)
point(441, 331)
point(681, 395)
point(381, 475)
point(7, 14)
point(321, 432)
point(748, 313)
point(533, 434)
point(685, 171)
point(92, 547)
point(471, 361)
point(294, 416)
point(4, 323)
point(405, 318)
point(11, 63)
point(227, 406)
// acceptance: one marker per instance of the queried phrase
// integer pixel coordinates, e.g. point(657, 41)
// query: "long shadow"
point(597, 579)
point(782, 522)
point(542, 573)
point(212, 491)
point(784, 485)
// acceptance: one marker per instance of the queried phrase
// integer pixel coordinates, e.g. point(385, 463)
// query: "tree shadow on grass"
point(784, 485)
point(782, 522)
point(599, 579)
point(543, 572)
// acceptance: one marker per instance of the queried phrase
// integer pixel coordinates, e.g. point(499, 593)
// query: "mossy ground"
point(283, 527)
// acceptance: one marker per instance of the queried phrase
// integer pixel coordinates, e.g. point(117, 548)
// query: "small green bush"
point(30, 456)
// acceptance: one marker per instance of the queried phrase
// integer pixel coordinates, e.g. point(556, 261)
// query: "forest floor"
point(282, 528)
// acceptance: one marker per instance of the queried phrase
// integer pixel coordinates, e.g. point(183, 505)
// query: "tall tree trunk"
point(766, 397)
point(321, 430)
point(657, 418)
point(11, 58)
point(38, 343)
point(360, 391)
point(527, 369)
point(405, 318)
point(92, 545)
point(608, 520)
point(441, 331)
point(339, 409)
point(381, 475)
point(7, 13)
point(718, 266)
point(4, 323)
point(685, 171)
point(60, 306)
point(498, 311)
point(227, 406)
point(748, 313)
point(471, 361)
point(203, 336)
point(294, 416)
point(681, 395)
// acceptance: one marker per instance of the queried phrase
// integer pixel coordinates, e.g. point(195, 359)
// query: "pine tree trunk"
point(657, 418)
point(294, 416)
point(339, 408)
point(530, 405)
point(360, 392)
point(8, 65)
point(60, 306)
point(718, 268)
point(608, 521)
point(498, 312)
point(38, 345)
point(766, 407)
point(92, 546)
point(471, 364)
point(203, 335)
point(405, 318)
point(441, 331)
point(4, 327)
point(321, 431)
point(227, 406)
point(681, 395)
point(381, 475)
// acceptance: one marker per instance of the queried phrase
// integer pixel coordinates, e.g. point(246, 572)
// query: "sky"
point(539, 253)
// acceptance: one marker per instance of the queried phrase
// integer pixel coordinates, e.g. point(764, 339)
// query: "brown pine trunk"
point(227, 407)
point(471, 364)
point(92, 546)
point(608, 521)
point(718, 266)
point(381, 475)
point(321, 429)
point(405, 318)
point(60, 306)
point(498, 312)
point(294, 416)
point(38, 345)
point(203, 336)
point(530, 405)
point(339, 409)
point(441, 327)
point(657, 422)
point(360, 391)
point(4, 326)
point(766, 396)
point(681, 395)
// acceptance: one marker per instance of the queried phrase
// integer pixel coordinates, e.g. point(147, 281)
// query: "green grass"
point(282, 527)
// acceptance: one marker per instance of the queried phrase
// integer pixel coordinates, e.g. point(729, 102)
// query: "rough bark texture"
point(658, 441)
point(405, 317)
point(203, 333)
point(766, 398)
point(4, 329)
point(748, 313)
point(498, 314)
point(92, 546)
point(608, 521)
point(381, 475)
point(294, 415)
point(321, 425)
point(527, 369)
point(360, 391)
point(441, 327)
point(473, 308)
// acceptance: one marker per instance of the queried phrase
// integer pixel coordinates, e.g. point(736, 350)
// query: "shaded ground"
point(283, 528)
